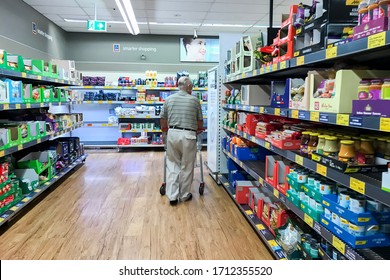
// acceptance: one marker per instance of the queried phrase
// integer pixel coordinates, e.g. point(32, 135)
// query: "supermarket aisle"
point(111, 209)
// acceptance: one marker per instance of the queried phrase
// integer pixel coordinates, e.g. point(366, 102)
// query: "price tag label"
point(276, 193)
point(88, 102)
point(1, 153)
point(275, 67)
point(273, 243)
point(267, 145)
point(254, 72)
point(18, 106)
point(14, 208)
point(268, 69)
point(39, 140)
point(384, 124)
point(25, 199)
point(243, 75)
point(37, 190)
point(294, 114)
point(245, 135)
point(132, 117)
point(20, 147)
point(283, 65)
point(24, 75)
point(261, 110)
point(300, 60)
point(249, 212)
point(100, 102)
point(39, 77)
point(252, 108)
point(241, 165)
point(315, 116)
point(315, 157)
point(28, 105)
point(321, 169)
point(260, 227)
point(298, 31)
point(261, 181)
point(5, 106)
point(299, 159)
point(357, 185)
point(277, 111)
point(331, 52)
point(261, 70)
point(376, 40)
point(342, 119)
point(253, 139)
point(308, 220)
point(1, 220)
point(338, 244)
point(147, 116)
point(109, 102)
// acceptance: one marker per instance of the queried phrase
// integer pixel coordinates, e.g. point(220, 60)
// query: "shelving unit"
point(23, 107)
point(372, 52)
point(97, 112)
point(27, 199)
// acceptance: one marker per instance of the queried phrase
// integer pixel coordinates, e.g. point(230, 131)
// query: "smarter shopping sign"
point(96, 25)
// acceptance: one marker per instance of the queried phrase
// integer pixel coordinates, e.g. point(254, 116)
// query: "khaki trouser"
point(181, 153)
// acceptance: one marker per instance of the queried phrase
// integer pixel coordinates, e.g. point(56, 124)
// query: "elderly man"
point(181, 117)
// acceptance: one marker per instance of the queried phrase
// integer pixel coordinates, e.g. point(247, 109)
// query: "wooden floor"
point(111, 209)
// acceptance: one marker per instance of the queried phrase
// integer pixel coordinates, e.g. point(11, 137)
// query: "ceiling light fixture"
point(127, 13)
point(175, 23)
point(108, 21)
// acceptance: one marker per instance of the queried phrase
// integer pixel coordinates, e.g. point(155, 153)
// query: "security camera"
point(195, 35)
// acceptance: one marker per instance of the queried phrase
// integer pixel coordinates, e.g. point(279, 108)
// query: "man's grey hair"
point(183, 82)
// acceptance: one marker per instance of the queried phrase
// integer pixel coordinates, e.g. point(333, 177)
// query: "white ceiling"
point(168, 17)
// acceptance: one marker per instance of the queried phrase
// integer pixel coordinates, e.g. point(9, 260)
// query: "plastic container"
point(357, 204)
point(347, 151)
point(331, 148)
point(375, 90)
point(386, 84)
point(363, 89)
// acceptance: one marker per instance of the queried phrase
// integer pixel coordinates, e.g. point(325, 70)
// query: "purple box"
point(379, 108)
point(370, 28)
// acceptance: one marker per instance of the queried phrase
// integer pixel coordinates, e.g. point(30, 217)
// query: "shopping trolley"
point(198, 153)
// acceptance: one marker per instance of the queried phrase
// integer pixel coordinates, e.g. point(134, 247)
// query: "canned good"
point(317, 183)
point(373, 206)
point(356, 230)
point(310, 181)
point(372, 230)
point(335, 219)
point(319, 207)
point(314, 249)
point(344, 224)
point(326, 188)
point(328, 214)
point(357, 204)
point(302, 177)
point(343, 199)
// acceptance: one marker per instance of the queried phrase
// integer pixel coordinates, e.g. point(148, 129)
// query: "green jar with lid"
point(331, 147)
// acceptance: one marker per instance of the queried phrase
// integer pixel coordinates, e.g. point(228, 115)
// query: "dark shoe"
point(188, 197)
point(174, 202)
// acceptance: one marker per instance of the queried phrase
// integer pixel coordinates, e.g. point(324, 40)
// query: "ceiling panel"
point(237, 12)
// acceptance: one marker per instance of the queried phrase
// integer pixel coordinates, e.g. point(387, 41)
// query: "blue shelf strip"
point(260, 228)
point(365, 122)
point(8, 215)
point(344, 249)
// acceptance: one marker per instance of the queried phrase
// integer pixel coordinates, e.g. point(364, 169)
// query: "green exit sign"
point(97, 25)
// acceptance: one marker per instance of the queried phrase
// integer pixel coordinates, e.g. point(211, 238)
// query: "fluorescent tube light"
point(75, 20)
point(175, 23)
point(127, 13)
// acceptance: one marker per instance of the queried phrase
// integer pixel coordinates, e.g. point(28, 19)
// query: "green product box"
point(4, 93)
point(3, 187)
point(47, 95)
point(294, 183)
point(50, 70)
point(27, 93)
point(15, 62)
point(3, 59)
point(37, 94)
point(29, 67)
point(37, 129)
point(313, 213)
point(14, 134)
point(37, 66)
point(38, 161)
point(28, 179)
point(56, 95)
point(294, 198)
point(64, 95)
point(311, 191)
